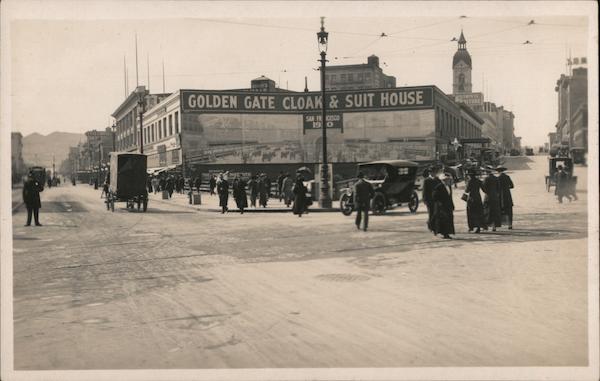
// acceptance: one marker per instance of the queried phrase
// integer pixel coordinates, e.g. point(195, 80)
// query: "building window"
point(333, 77)
point(160, 129)
point(170, 125)
point(177, 121)
point(343, 78)
point(360, 77)
point(350, 77)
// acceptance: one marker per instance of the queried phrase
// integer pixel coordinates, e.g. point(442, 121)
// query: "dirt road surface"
point(179, 288)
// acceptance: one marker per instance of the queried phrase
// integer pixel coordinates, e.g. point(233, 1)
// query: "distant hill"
point(38, 149)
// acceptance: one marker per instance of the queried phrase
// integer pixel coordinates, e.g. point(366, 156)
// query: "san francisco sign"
point(209, 101)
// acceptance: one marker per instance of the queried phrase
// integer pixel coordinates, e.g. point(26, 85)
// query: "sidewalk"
point(211, 204)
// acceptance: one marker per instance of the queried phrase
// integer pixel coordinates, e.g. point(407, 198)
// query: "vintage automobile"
point(393, 182)
point(39, 174)
point(567, 164)
point(127, 181)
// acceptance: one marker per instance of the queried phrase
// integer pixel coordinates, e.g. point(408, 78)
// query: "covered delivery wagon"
point(127, 181)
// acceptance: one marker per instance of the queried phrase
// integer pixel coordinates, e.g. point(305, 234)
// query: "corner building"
point(211, 128)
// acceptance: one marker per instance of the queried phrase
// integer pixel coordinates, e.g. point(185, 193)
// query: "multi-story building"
point(571, 127)
point(99, 145)
point(359, 76)
point(127, 120)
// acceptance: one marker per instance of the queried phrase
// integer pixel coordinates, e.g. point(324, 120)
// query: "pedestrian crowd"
point(491, 210)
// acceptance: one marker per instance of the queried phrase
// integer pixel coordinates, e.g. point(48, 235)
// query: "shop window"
point(170, 125)
point(160, 135)
point(176, 122)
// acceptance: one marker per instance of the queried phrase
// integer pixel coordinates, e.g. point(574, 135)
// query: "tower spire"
point(462, 42)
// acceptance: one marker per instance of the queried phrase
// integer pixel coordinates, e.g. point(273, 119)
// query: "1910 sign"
point(314, 121)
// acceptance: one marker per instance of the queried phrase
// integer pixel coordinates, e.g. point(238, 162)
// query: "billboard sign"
point(213, 101)
point(471, 99)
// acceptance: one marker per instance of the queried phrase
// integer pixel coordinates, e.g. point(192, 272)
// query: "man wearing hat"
point(31, 198)
point(363, 193)
point(429, 184)
point(562, 180)
point(505, 184)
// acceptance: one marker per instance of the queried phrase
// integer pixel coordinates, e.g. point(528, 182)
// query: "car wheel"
point(346, 205)
point(413, 203)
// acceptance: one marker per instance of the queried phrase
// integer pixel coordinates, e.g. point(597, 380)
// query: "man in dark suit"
point(31, 198)
point(363, 193)
point(429, 183)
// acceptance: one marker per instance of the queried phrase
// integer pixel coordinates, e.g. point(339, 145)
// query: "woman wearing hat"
point(239, 193)
point(299, 196)
point(475, 217)
point(443, 207)
point(505, 184)
point(491, 188)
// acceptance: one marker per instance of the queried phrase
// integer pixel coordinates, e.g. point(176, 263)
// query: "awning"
point(156, 171)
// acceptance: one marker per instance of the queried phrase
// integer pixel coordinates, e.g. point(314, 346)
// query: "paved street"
point(179, 287)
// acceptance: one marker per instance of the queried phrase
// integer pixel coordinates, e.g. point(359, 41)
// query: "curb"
point(249, 210)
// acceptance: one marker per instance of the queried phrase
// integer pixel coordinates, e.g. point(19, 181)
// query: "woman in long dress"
point(239, 194)
point(490, 187)
point(223, 191)
point(475, 217)
point(299, 196)
point(443, 208)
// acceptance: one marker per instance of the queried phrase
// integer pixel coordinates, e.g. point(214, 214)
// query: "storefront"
point(250, 128)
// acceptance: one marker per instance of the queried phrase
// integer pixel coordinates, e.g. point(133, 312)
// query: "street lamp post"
point(324, 198)
point(141, 92)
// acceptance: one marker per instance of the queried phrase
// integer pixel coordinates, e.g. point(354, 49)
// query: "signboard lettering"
point(207, 101)
point(314, 121)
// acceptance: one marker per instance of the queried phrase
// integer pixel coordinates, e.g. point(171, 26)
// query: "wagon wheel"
point(346, 206)
point(378, 204)
point(413, 203)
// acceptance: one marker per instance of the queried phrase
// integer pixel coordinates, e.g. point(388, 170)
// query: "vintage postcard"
point(265, 190)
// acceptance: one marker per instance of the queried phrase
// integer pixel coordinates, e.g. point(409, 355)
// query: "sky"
point(67, 74)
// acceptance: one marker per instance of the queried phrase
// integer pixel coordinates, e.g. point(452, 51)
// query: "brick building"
point(359, 76)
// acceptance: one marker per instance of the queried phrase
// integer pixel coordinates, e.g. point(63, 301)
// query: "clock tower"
point(461, 67)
